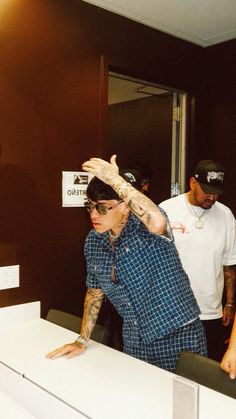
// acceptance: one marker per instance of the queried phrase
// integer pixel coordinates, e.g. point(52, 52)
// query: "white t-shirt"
point(204, 251)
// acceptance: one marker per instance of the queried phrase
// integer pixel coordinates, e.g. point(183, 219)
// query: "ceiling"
point(202, 22)
point(123, 90)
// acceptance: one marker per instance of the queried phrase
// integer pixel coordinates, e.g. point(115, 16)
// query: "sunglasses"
point(100, 208)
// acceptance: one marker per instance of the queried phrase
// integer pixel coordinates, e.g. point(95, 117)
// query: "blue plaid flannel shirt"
point(152, 291)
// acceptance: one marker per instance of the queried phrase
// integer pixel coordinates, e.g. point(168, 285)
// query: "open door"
point(146, 123)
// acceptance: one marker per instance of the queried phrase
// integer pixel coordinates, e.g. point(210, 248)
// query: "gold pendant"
point(199, 224)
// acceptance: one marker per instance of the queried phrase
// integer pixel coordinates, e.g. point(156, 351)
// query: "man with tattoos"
point(132, 260)
point(204, 232)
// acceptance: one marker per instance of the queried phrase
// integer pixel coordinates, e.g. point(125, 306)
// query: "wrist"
point(116, 181)
point(121, 187)
point(82, 340)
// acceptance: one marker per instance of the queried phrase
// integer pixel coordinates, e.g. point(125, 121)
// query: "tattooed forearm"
point(92, 306)
point(143, 212)
point(140, 205)
point(229, 283)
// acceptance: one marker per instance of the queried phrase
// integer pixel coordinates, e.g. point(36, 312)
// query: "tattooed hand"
point(69, 350)
point(102, 169)
point(92, 305)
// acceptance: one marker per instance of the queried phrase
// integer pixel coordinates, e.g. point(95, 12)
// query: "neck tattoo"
point(199, 223)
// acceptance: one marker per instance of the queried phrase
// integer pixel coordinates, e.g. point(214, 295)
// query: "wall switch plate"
point(9, 277)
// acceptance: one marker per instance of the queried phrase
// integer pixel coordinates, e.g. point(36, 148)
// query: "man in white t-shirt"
point(205, 236)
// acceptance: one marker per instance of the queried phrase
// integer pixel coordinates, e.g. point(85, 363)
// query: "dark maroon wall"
point(50, 121)
point(216, 126)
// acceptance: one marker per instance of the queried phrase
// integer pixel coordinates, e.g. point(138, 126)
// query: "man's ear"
point(124, 208)
point(192, 182)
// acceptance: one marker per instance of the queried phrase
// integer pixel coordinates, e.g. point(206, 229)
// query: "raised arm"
point(92, 304)
point(139, 204)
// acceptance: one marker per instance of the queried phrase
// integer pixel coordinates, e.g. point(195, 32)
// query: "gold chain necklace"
point(199, 223)
point(112, 236)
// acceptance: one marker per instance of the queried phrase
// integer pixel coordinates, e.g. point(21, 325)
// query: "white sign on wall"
point(74, 185)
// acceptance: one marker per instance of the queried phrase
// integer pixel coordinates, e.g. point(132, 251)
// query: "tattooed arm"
point(139, 204)
point(92, 304)
point(229, 286)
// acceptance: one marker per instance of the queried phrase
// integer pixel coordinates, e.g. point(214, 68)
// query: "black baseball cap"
point(132, 176)
point(210, 176)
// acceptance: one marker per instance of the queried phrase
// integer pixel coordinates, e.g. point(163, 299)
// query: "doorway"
point(146, 124)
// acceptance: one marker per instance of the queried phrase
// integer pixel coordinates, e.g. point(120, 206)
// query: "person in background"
point(146, 174)
point(132, 260)
point(204, 232)
point(228, 362)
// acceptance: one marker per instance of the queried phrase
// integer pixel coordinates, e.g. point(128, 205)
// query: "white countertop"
point(102, 383)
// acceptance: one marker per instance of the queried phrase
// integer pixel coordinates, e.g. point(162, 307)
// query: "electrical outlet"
point(9, 277)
